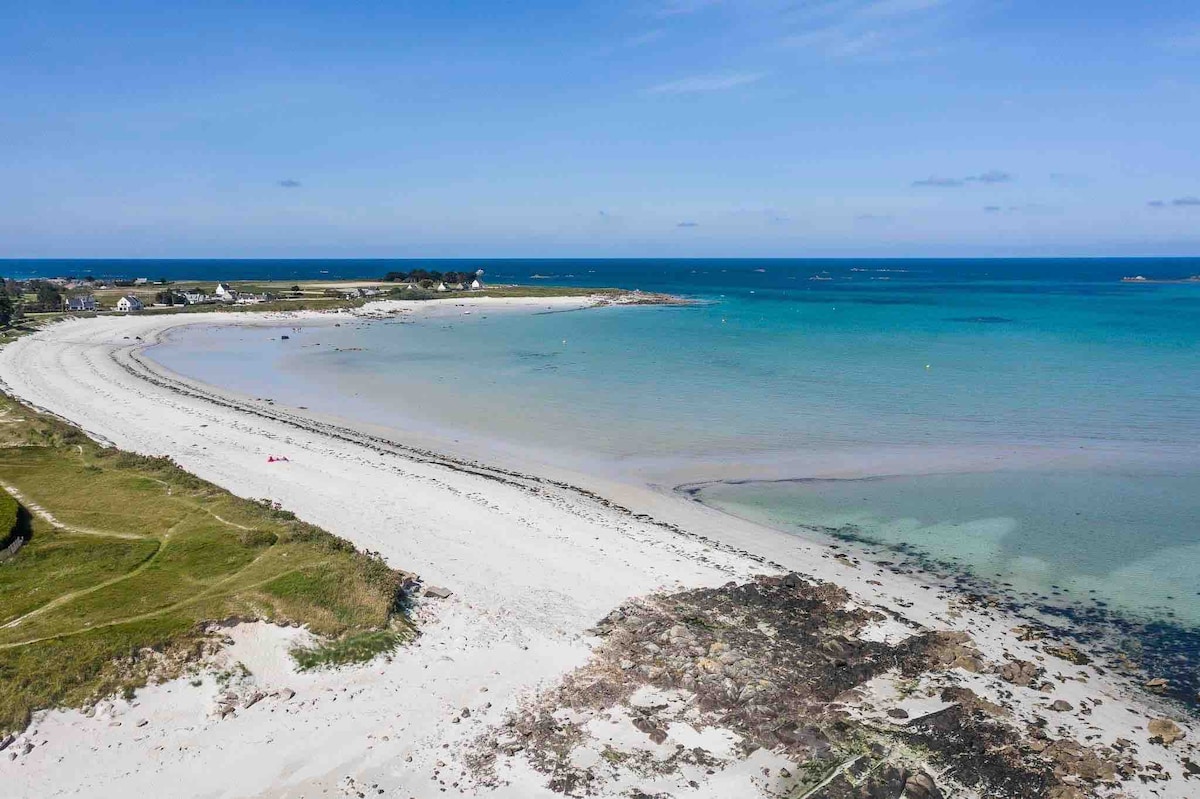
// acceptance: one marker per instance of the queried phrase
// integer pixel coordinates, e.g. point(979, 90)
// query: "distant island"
point(1143, 279)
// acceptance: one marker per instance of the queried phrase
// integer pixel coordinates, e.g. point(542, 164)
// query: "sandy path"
point(532, 567)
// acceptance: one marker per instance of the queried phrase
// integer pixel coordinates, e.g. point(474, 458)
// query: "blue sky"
point(642, 128)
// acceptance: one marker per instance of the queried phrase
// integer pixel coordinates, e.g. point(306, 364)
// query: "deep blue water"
point(649, 274)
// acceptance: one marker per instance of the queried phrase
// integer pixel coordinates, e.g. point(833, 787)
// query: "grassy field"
point(128, 556)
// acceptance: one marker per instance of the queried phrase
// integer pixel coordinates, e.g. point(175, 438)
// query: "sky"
point(688, 128)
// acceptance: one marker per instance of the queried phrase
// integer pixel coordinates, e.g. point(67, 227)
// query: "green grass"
point(8, 517)
point(143, 554)
point(349, 649)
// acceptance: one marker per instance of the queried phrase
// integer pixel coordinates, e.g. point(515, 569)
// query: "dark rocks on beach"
point(1069, 654)
point(1020, 672)
point(777, 661)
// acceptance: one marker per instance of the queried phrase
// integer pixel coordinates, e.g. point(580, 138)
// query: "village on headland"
point(90, 294)
point(47, 298)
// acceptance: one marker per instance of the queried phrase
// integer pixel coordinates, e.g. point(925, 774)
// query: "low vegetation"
point(9, 510)
point(128, 556)
point(357, 647)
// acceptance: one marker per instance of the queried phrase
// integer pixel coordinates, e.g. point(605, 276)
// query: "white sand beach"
point(531, 566)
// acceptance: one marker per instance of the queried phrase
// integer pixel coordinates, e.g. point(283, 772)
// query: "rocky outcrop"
point(775, 668)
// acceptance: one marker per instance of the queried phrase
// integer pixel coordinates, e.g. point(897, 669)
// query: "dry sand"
point(532, 566)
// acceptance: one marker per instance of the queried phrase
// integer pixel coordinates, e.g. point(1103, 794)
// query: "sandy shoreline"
point(533, 563)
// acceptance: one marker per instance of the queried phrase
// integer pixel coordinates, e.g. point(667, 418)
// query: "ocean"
point(1032, 424)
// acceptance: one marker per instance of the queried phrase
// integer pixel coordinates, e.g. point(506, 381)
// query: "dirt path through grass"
point(49, 518)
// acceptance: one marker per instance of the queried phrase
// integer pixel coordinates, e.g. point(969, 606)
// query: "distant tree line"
point(10, 299)
point(422, 275)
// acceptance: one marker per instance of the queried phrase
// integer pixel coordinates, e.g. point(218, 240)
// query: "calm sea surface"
point(1033, 422)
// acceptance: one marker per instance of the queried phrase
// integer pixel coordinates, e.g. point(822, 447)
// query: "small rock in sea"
point(437, 592)
point(1061, 706)
point(1157, 684)
point(1165, 730)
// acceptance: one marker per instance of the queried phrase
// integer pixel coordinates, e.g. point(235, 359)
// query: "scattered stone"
point(142, 722)
point(1069, 654)
point(921, 786)
point(6, 741)
point(1065, 792)
point(1061, 706)
point(436, 592)
point(1165, 730)
point(898, 713)
point(1020, 672)
point(254, 698)
point(286, 693)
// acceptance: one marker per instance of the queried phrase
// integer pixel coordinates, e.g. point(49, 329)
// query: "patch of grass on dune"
point(143, 554)
point(351, 648)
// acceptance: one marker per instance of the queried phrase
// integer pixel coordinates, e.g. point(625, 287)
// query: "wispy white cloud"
point(991, 176)
point(1179, 202)
point(675, 8)
point(848, 29)
point(1185, 40)
point(707, 83)
point(642, 39)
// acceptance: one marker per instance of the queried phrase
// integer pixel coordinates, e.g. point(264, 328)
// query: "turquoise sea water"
point(1031, 422)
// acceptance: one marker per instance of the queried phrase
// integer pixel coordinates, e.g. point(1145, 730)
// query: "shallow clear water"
point(1084, 392)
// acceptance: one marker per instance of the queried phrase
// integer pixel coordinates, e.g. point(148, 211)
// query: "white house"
point(195, 297)
point(141, 281)
point(476, 285)
point(442, 287)
point(225, 293)
point(82, 303)
point(129, 303)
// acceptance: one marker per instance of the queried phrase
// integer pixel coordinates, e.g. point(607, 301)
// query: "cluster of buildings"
point(131, 302)
point(222, 294)
point(474, 285)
